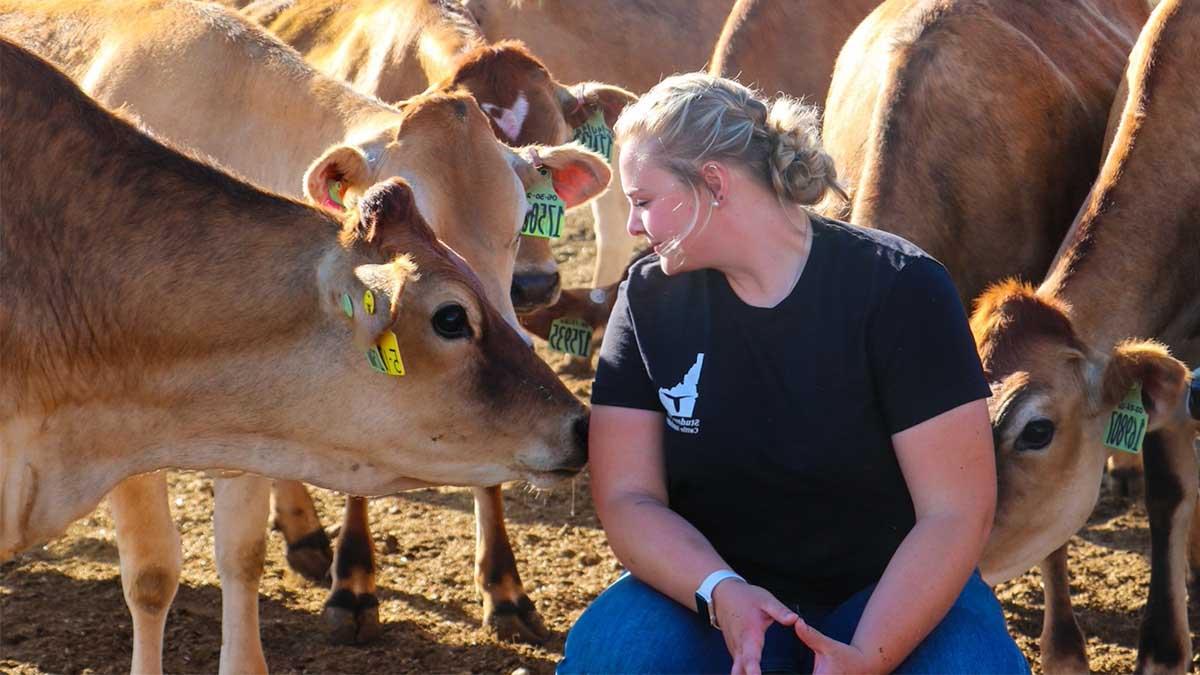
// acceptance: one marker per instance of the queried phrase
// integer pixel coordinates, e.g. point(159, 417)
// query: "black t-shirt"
point(778, 422)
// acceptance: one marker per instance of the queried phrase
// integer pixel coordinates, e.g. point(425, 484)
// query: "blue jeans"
point(632, 628)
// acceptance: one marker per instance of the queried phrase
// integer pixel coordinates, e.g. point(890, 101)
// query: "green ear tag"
point(376, 361)
point(545, 215)
point(596, 136)
point(571, 336)
point(347, 306)
point(1127, 425)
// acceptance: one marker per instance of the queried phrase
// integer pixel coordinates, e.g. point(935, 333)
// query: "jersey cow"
point(394, 50)
point(1061, 360)
point(469, 184)
point(157, 313)
point(973, 128)
point(391, 50)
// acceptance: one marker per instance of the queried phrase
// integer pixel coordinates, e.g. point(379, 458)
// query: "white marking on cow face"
point(510, 120)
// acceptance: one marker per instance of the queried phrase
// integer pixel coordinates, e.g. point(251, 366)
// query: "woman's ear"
point(716, 178)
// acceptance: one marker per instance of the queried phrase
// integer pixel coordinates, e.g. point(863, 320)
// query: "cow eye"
point(1036, 435)
point(450, 322)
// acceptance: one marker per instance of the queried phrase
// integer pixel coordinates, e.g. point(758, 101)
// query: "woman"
point(790, 448)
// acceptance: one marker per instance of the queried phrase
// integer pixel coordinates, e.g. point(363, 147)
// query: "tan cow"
point(1059, 357)
point(974, 127)
point(786, 47)
point(631, 44)
point(157, 312)
point(394, 49)
point(268, 116)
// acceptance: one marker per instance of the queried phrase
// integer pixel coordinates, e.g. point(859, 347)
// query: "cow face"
point(526, 106)
point(429, 363)
point(468, 186)
point(1052, 398)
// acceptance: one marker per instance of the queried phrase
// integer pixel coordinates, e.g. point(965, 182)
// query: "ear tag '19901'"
point(595, 135)
point(1127, 425)
point(545, 215)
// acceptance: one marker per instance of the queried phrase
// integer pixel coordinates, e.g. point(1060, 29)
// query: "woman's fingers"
point(779, 611)
point(815, 639)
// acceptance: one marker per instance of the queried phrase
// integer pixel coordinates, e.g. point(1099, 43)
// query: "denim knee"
point(632, 628)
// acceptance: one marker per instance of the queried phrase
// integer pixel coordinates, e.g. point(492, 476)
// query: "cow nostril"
point(580, 429)
point(534, 289)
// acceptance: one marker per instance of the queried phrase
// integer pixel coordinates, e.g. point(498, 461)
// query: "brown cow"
point(631, 44)
point(1060, 360)
point(974, 127)
point(276, 114)
point(159, 313)
point(786, 47)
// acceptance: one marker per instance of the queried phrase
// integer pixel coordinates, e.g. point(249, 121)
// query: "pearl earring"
point(714, 202)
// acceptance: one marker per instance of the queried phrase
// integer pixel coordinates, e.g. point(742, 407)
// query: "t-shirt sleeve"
point(923, 356)
point(621, 376)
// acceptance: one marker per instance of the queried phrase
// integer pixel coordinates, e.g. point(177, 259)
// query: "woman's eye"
point(640, 203)
point(1036, 435)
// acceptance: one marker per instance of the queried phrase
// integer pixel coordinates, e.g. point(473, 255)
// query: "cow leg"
point(352, 610)
point(1125, 474)
point(1194, 551)
point(1063, 648)
point(308, 548)
point(240, 511)
point(614, 245)
point(149, 548)
point(506, 608)
point(1171, 486)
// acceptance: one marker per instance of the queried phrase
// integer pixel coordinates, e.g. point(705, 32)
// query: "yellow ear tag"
point(595, 135)
point(545, 215)
point(369, 301)
point(1127, 425)
point(385, 357)
point(571, 336)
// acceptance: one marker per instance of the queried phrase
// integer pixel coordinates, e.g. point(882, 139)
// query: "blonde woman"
point(789, 446)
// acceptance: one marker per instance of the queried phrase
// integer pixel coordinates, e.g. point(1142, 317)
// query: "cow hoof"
point(351, 619)
point(311, 556)
point(516, 621)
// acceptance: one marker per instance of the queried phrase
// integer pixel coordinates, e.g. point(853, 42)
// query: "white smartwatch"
point(704, 602)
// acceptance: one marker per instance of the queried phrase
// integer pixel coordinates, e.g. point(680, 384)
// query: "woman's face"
point(663, 208)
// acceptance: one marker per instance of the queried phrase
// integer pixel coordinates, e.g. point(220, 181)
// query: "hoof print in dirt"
point(351, 619)
point(311, 556)
point(516, 621)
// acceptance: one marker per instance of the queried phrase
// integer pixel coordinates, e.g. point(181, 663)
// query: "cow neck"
point(1130, 265)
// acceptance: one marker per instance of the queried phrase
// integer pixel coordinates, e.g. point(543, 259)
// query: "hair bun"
point(800, 169)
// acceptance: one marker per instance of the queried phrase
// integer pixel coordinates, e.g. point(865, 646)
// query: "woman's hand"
point(831, 656)
point(744, 612)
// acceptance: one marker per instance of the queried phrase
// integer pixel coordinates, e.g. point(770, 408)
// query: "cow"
point(469, 185)
point(1061, 357)
point(974, 128)
point(786, 47)
point(159, 313)
point(395, 49)
point(630, 44)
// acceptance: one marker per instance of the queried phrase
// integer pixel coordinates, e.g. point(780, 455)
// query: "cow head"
point(1052, 397)
point(526, 106)
point(469, 186)
point(393, 289)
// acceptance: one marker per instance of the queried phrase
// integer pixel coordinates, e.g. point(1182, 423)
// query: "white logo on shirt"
point(680, 400)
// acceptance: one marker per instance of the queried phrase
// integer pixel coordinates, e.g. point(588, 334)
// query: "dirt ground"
point(62, 611)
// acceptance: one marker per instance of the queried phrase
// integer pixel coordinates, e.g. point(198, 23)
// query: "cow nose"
point(534, 291)
point(579, 454)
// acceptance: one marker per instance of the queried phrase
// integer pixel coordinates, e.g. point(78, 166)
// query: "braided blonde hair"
point(699, 117)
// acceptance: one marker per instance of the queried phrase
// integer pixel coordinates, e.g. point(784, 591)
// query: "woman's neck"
point(765, 249)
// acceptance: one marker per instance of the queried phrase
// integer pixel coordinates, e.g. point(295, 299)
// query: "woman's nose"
point(634, 226)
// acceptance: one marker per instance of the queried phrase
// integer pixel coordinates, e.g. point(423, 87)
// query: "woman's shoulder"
point(866, 244)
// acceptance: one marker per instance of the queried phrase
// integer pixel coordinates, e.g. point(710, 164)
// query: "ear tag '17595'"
point(571, 336)
point(595, 135)
point(545, 215)
point(1127, 425)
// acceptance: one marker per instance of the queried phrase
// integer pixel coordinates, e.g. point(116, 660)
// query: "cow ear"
point(1163, 379)
point(333, 179)
point(579, 175)
point(582, 100)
